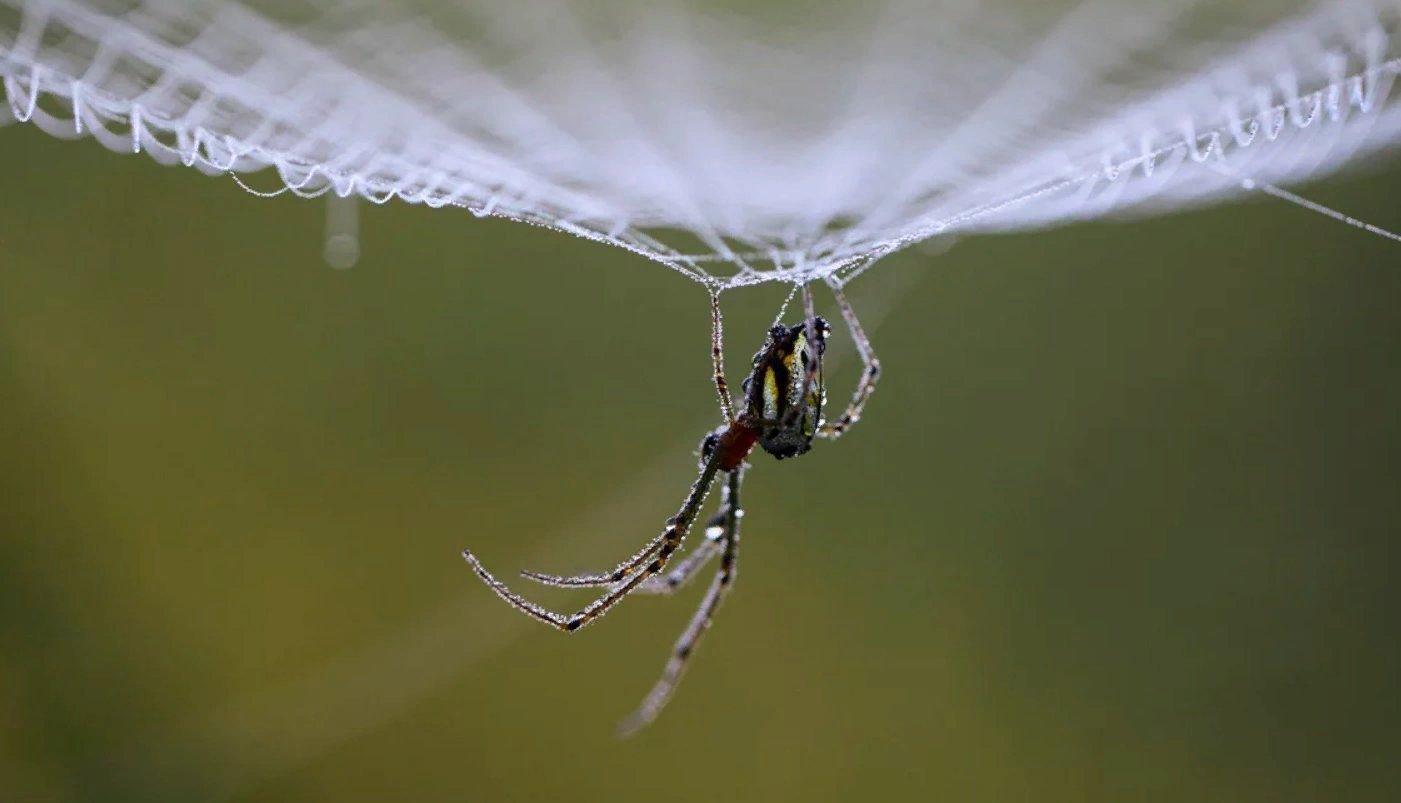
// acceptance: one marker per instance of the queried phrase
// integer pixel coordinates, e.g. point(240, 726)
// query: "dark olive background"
point(1120, 523)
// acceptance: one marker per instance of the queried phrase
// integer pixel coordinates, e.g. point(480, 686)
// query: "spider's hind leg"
point(629, 575)
point(685, 646)
point(707, 455)
point(869, 375)
point(656, 584)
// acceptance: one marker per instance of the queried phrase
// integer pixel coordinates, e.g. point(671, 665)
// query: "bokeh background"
point(1120, 523)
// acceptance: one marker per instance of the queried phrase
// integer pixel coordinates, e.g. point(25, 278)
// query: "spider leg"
point(612, 578)
point(870, 373)
point(717, 359)
point(812, 366)
point(617, 575)
point(659, 551)
point(655, 584)
point(626, 568)
point(685, 571)
point(657, 698)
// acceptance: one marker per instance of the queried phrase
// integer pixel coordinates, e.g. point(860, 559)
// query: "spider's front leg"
point(717, 360)
point(626, 577)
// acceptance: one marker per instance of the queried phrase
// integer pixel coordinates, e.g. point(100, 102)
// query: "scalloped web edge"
point(65, 106)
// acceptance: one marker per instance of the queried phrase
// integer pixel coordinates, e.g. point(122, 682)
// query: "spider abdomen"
point(783, 442)
point(784, 406)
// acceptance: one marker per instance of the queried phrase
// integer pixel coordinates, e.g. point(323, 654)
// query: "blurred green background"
point(1120, 523)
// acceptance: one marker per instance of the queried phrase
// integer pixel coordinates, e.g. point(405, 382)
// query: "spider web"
point(734, 146)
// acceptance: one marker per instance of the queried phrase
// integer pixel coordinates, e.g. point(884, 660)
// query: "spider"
point(782, 413)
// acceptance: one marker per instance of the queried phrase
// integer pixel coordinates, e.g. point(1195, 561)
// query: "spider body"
point(782, 413)
point(783, 409)
point(784, 394)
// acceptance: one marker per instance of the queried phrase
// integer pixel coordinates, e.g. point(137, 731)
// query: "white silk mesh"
point(733, 145)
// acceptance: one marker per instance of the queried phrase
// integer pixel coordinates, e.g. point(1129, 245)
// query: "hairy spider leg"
point(717, 359)
point(623, 570)
point(812, 365)
point(657, 698)
point(684, 572)
point(659, 551)
point(614, 577)
point(870, 369)
point(657, 584)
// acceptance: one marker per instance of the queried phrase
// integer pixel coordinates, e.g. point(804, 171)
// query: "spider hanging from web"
point(782, 413)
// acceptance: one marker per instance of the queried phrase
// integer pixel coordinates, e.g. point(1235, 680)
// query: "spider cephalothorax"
point(782, 413)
